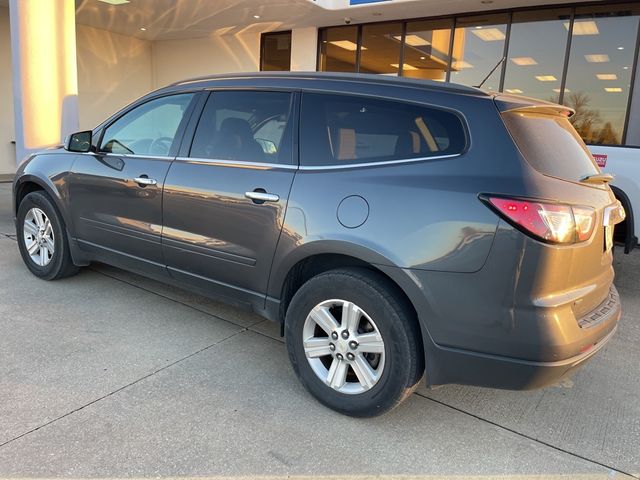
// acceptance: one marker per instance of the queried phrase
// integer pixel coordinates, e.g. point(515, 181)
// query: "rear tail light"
point(550, 222)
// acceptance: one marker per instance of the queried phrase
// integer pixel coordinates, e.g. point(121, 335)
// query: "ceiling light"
point(613, 89)
point(524, 61)
point(586, 27)
point(256, 16)
point(513, 90)
point(546, 78)
point(405, 67)
point(423, 58)
point(415, 40)
point(620, 48)
point(557, 90)
point(625, 68)
point(114, 2)
point(489, 34)
point(461, 64)
point(597, 58)
point(347, 45)
point(142, 29)
point(606, 76)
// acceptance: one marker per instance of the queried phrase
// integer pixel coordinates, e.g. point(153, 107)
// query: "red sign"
point(601, 159)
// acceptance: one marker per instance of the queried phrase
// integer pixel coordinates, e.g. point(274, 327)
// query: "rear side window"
point(551, 145)
point(340, 129)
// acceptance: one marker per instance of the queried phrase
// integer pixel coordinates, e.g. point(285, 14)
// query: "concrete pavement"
point(108, 374)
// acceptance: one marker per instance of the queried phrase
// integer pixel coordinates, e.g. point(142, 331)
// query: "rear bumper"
point(453, 365)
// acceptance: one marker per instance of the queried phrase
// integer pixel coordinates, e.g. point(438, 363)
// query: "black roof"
point(345, 77)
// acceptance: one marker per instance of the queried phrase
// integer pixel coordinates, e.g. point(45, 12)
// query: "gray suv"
point(395, 228)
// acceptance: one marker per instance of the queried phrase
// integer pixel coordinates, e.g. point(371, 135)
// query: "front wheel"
point(353, 342)
point(42, 238)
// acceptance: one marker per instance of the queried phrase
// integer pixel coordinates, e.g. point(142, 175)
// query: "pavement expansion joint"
point(611, 468)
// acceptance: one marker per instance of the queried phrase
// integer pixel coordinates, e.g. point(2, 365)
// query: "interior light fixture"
point(461, 65)
point(513, 90)
point(256, 16)
point(606, 76)
point(524, 61)
point(584, 27)
point(597, 58)
point(546, 78)
point(613, 89)
point(114, 2)
point(423, 58)
point(489, 34)
point(416, 40)
point(557, 90)
point(347, 45)
point(143, 29)
point(620, 48)
point(406, 66)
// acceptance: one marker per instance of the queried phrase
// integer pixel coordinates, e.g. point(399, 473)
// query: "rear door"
point(226, 195)
point(116, 193)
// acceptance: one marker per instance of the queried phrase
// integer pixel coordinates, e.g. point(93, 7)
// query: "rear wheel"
point(353, 342)
point(42, 238)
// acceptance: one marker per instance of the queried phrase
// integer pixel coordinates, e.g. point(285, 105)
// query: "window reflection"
point(276, 51)
point(599, 71)
point(426, 49)
point(478, 45)
point(380, 51)
point(535, 60)
point(338, 47)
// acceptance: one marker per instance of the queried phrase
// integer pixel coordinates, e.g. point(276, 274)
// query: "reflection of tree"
point(586, 120)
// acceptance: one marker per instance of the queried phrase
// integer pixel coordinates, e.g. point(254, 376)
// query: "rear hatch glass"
point(550, 144)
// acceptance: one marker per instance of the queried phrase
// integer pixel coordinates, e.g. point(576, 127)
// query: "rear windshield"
point(551, 145)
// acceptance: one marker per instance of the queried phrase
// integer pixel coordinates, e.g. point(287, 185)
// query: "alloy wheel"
point(38, 235)
point(343, 346)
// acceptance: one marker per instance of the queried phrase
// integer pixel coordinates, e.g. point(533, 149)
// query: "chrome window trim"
point(264, 166)
point(375, 164)
point(128, 155)
point(237, 163)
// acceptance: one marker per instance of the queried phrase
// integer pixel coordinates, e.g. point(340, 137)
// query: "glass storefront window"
point(600, 69)
point(478, 45)
point(535, 59)
point(426, 49)
point(276, 51)
point(338, 49)
point(380, 51)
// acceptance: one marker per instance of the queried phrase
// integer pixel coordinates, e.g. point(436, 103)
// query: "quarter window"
point(149, 129)
point(245, 126)
point(340, 129)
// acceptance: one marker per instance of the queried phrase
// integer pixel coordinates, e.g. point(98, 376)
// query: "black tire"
point(61, 264)
point(396, 322)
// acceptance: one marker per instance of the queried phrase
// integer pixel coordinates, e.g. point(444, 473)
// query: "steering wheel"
point(160, 146)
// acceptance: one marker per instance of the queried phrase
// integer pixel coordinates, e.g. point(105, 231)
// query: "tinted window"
point(338, 49)
point(551, 145)
point(245, 126)
point(338, 129)
point(148, 129)
point(276, 51)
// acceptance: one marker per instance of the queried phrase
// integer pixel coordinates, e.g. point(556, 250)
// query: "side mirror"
point(79, 142)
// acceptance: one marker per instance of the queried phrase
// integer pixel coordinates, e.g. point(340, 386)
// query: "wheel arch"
point(312, 259)
point(630, 240)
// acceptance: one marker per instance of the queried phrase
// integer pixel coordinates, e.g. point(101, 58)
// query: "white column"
point(45, 79)
point(304, 49)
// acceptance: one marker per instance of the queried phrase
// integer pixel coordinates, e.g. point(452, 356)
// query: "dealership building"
point(69, 64)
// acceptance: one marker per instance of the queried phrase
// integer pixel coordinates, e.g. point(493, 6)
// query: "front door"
point(224, 201)
point(116, 193)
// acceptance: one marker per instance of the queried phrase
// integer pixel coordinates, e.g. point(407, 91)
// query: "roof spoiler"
point(517, 104)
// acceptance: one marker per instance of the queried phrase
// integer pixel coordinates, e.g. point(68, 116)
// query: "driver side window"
point(148, 129)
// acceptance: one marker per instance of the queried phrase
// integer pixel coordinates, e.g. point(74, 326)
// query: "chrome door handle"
point(145, 181)
point(261, 197)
